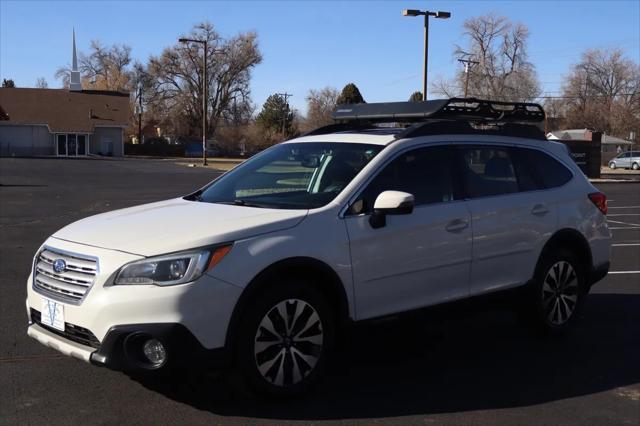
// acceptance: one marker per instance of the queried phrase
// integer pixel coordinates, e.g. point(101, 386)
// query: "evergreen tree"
point(350, 95)
point(274, 111)
point(415, 97)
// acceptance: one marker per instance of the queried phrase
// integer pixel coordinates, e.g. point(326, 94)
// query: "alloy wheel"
point(560, 293)
point(288, 342)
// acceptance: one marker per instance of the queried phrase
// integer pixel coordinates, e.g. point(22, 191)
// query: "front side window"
point(291, 176)
point(488, 171)
point(424, 172)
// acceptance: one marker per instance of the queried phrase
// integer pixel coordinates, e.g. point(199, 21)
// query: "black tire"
point(612, 166)
point(292, 363)
point(635, 166)
point(556, 295)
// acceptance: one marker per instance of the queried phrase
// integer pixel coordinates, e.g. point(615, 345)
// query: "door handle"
point(456, 225)
point(539, 210)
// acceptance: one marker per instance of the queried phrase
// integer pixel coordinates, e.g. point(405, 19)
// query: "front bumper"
point(120, 351)
point(192, 318)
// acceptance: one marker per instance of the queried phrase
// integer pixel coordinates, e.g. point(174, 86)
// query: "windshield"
point(291, 176)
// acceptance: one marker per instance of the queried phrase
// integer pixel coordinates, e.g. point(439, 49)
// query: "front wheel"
point(557, 292)
point(612, 166)
point(635, 166)
point(285, 340)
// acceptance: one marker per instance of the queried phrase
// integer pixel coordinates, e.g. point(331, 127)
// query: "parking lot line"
point(624, 214)
point(623, 227)
point(624, 272)
point(625, 207)
point(625, 244)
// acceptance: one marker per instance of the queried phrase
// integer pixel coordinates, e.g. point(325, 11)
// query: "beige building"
point(63, 122)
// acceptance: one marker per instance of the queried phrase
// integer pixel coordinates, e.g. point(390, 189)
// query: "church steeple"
point(75, 85)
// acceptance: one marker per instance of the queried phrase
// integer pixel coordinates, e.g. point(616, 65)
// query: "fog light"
point(155, 352)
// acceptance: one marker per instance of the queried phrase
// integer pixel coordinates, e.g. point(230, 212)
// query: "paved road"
point(468, 364)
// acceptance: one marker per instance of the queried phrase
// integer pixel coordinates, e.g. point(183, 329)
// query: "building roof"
point(584, 134)
point(63, 110)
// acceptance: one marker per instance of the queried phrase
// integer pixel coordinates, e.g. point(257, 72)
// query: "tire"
point(612, 165)
point(556, 295)
point(285, 339)
point(635, 166)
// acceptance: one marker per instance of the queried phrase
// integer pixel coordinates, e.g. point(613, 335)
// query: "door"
point(72, 145)
point(510, 218)
point(106, 145)
point(417, 259)
point(82, 145)
point(61, 144)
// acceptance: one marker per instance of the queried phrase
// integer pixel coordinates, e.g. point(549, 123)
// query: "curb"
point(614, 180)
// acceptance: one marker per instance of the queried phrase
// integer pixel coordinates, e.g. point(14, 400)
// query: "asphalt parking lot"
point(466, 366)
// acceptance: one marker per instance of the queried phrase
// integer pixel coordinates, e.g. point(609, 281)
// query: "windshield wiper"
point(243, 203)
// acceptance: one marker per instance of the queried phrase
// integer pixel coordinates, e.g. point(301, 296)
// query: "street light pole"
point(426, 57)
point(204, 106)
point(204, 95)
point(426, 14)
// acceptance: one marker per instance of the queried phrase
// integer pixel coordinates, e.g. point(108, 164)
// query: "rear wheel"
point(612, 165)
point(557, 292)
point(635, 166)
point(285, 339)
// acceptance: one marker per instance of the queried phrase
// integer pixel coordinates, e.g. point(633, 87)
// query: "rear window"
point(544, 171)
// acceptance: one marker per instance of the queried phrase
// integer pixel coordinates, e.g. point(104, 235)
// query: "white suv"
point(265, 266)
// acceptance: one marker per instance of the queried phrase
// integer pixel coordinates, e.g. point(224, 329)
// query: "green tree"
point(8, 83)
point(274, 115)
point(350, 95)
point(415, 97)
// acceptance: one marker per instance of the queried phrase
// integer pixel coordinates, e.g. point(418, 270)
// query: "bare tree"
point(320, 105)
point(503, 71)
point(104, 68)
point(602, 92)
point(41, 83)
point(177, 74)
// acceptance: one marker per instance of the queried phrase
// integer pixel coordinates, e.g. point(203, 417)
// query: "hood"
point(174, 225)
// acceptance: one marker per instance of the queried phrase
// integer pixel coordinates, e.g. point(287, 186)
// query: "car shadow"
point(461, 358)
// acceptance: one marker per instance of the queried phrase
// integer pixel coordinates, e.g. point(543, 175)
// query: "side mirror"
point(390, 202)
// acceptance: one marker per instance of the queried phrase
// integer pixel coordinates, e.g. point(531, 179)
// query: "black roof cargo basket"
point(442, 116)
point(452, 109)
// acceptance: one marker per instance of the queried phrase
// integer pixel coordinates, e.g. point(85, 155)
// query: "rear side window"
point(488, 171)
point(423, 172)
point(547, 171)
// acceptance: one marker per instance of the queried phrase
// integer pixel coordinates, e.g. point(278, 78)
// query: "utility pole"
point(285, 111)
point(467, 63)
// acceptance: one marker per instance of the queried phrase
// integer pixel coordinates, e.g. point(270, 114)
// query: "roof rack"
point(442, 116)
point(454, 109)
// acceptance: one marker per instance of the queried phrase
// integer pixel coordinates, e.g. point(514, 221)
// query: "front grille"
point(71, 332)
point(70, 284)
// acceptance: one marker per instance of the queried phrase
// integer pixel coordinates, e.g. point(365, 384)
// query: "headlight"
point(172, 269)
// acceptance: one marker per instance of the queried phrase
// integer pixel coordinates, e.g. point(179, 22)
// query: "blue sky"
point(310, 45)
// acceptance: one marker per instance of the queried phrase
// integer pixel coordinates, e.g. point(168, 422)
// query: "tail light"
point(600, 200)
